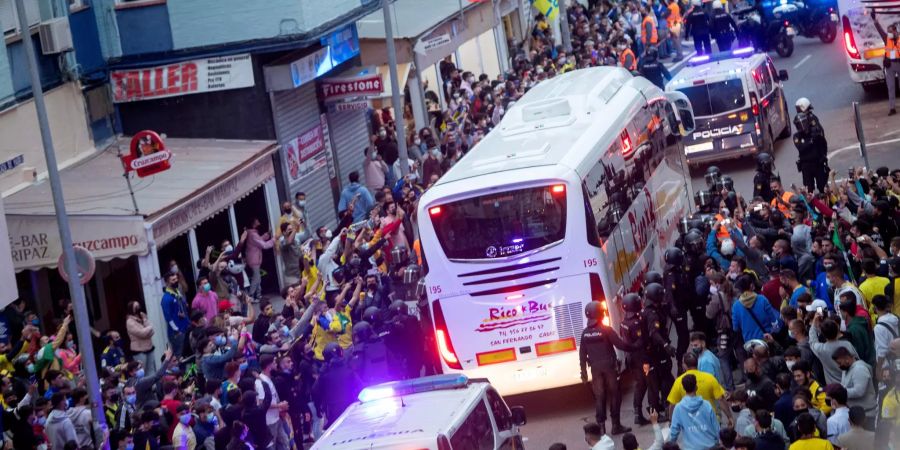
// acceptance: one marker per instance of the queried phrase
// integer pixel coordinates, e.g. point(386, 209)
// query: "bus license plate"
point(531, 373)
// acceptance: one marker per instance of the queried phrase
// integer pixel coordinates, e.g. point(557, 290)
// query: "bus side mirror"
point(783, 75)
point(683, 110)
point(518, 415)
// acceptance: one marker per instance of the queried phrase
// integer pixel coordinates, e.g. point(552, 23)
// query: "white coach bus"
point(571, 199)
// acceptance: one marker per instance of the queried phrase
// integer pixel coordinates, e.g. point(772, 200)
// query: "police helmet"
point(702, 198)
point(653, 277)
point(412, 274)
point(764, 162)
point(674, 256)
point(631, 303)
point(362, 332)
point(684, 225)
point(694, 241)
point(728, 183)
point(712, 175)
point(651, 54)
point(716, 4)
point(399, 307)
point(332, 351)
point(592, 312)
point(803, 104)
point(653, 294)
point(400, 255)
point(371, 314)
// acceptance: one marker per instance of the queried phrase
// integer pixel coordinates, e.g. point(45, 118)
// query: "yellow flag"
point(549, 8)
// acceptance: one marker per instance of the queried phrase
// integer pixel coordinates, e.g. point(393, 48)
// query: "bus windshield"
point(502, 224)
point(716, 98)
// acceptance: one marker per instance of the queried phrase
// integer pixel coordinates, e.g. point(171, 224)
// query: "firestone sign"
point(338, 88)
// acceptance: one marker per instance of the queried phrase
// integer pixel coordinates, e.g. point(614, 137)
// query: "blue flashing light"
point(517, 240)
point(417, 385)
point(742, 51)
point(699, 59)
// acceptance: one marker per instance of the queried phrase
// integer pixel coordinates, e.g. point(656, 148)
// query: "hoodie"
point(81, 420)
point(769, 440)
point(801, 244)
point(695, 422)
point(750, 309)
point(60, 429)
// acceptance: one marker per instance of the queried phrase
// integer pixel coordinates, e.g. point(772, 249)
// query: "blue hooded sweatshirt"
point(695, 422)
point(363, 204)
point(753, 325)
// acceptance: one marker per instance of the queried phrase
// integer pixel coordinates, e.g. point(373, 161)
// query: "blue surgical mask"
point(185, 418)
point(207, 287)
point(244, 366)
point(220, 340)
point(35, 322)
point(211, 418)
point(30, 368)
point(70, 345)
point(285, 330)
point(129, 446)
point(139, 373)
point(41, 420)
point(131, 399)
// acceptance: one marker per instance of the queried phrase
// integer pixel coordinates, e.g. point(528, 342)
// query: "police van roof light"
point(742, 51)
point(417, 385)
point(699, 59)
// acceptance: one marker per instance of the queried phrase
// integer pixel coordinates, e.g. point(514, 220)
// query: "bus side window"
point(597, 183)
point(476, 432)
point(589, 219)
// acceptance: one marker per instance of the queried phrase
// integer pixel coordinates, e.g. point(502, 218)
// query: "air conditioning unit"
point(56, 37)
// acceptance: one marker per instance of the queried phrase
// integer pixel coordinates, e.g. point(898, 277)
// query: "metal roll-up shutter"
point(349, 136)
point(297, 111)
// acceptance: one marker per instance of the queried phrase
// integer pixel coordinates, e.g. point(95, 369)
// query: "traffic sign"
point(84, 262)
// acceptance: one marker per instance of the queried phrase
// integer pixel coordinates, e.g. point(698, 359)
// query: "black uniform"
point(370, 361)
point(404, 344)
point(597, 343)
point(761, 185)
point(659, 375)
point(654, 71)
point(632, 330)
point(697, 25)
point(812, 149)
point(679, 299)
point(336, 389)
point(724, 29)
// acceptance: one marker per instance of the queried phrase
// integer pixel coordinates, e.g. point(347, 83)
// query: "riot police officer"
point(369, 357)
point(724, 27)
point(597, 342)
point(658, 369)
point(697, 25)
point(632, 330)
point(405, 341)
point(679, 293)
point(694, 248)
point(337, 386)
point(811, 147)
point(763, 177)
point(652, 69)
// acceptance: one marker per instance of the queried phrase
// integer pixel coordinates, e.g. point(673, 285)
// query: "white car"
point(439, 412)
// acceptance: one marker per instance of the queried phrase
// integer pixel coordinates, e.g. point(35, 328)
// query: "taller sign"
point(183, 78)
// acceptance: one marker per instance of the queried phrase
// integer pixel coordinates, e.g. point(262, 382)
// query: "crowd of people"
point(782, 307)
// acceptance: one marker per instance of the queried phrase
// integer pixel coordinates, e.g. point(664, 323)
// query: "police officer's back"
point(812, 147)
point(369, 357)
point(338, 385)
point(404, 341)
point(598, 344)
point(763, 177)
point(654, 70)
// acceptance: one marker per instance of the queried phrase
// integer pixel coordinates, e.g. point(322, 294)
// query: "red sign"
point(84, 262)
point(337, 88)
point(305, 153)
point(187, 77)
point(148, 154)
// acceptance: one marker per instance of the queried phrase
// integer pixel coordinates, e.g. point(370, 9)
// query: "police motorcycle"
point(764, 33)
point(811, 18)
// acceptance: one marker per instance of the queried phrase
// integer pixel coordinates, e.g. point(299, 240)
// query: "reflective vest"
point(892, 48)
point(722, 232)
point(674, 15)
point(623, 59)
point(653, 36)
point(786, 199)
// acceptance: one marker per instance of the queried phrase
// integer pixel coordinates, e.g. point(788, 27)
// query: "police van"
point(439, 412)
point(739, 105)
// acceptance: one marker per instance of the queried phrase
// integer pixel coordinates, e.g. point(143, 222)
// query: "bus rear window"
point(502, 224)
point(716, 98)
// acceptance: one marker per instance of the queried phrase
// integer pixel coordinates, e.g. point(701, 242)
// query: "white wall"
point(68, 125)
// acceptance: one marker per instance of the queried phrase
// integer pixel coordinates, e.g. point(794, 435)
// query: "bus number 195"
point(592, 262)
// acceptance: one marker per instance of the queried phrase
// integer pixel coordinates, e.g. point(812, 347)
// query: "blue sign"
point(337, 47)
point(12, 163)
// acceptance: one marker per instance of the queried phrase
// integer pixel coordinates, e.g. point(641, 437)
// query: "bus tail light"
point(596, 288)
point(496, 356)
point(553, 347)
point(558, 189)
point(442, 338)
point(434, 211)
point(849, 40)
point(754, 105)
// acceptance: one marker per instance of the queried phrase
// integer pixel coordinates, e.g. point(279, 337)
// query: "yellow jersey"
point(707, 387)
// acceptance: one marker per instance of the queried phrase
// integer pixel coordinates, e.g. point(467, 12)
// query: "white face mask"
point(790, 364)
point(229, 248)
point(714, 290)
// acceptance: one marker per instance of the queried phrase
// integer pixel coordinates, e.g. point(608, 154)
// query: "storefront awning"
point(207, 176)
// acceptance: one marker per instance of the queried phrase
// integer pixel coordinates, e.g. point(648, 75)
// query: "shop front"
point(213, 190)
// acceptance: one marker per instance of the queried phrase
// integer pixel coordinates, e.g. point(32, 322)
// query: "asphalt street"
point(817, 71)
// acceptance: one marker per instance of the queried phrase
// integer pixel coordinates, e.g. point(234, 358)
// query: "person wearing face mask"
point(802, 407)
point(144, 383)
point(140, 335)
point(627, 60)
point(206, 300)
point(758, 385)
point(374, 168)
point(183, 437)
point(891, 60)
point(175, 311)
point(856, 377)
point(255, 243)
point(803, 378)
point(113, 355)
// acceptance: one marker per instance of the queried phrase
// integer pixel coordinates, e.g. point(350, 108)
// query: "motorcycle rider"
point(653, 70)
point(632, 330)
point(812, 148)
point(679, 291)
point(597, 342)
point(891, 58)
point(697, 25)
point(763, 177)
point(658, 369)
point(724, 27)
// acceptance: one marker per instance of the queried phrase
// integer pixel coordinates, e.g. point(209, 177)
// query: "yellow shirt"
point(890, 409)
point(818, 397)
point(707, 387)
point(812, 444)
point(870, 288)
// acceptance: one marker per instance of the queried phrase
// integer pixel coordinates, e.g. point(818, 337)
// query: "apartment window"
point(9, 21)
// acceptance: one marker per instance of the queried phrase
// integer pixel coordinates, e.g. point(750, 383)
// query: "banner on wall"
point(188, 77)
point(305, 154)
